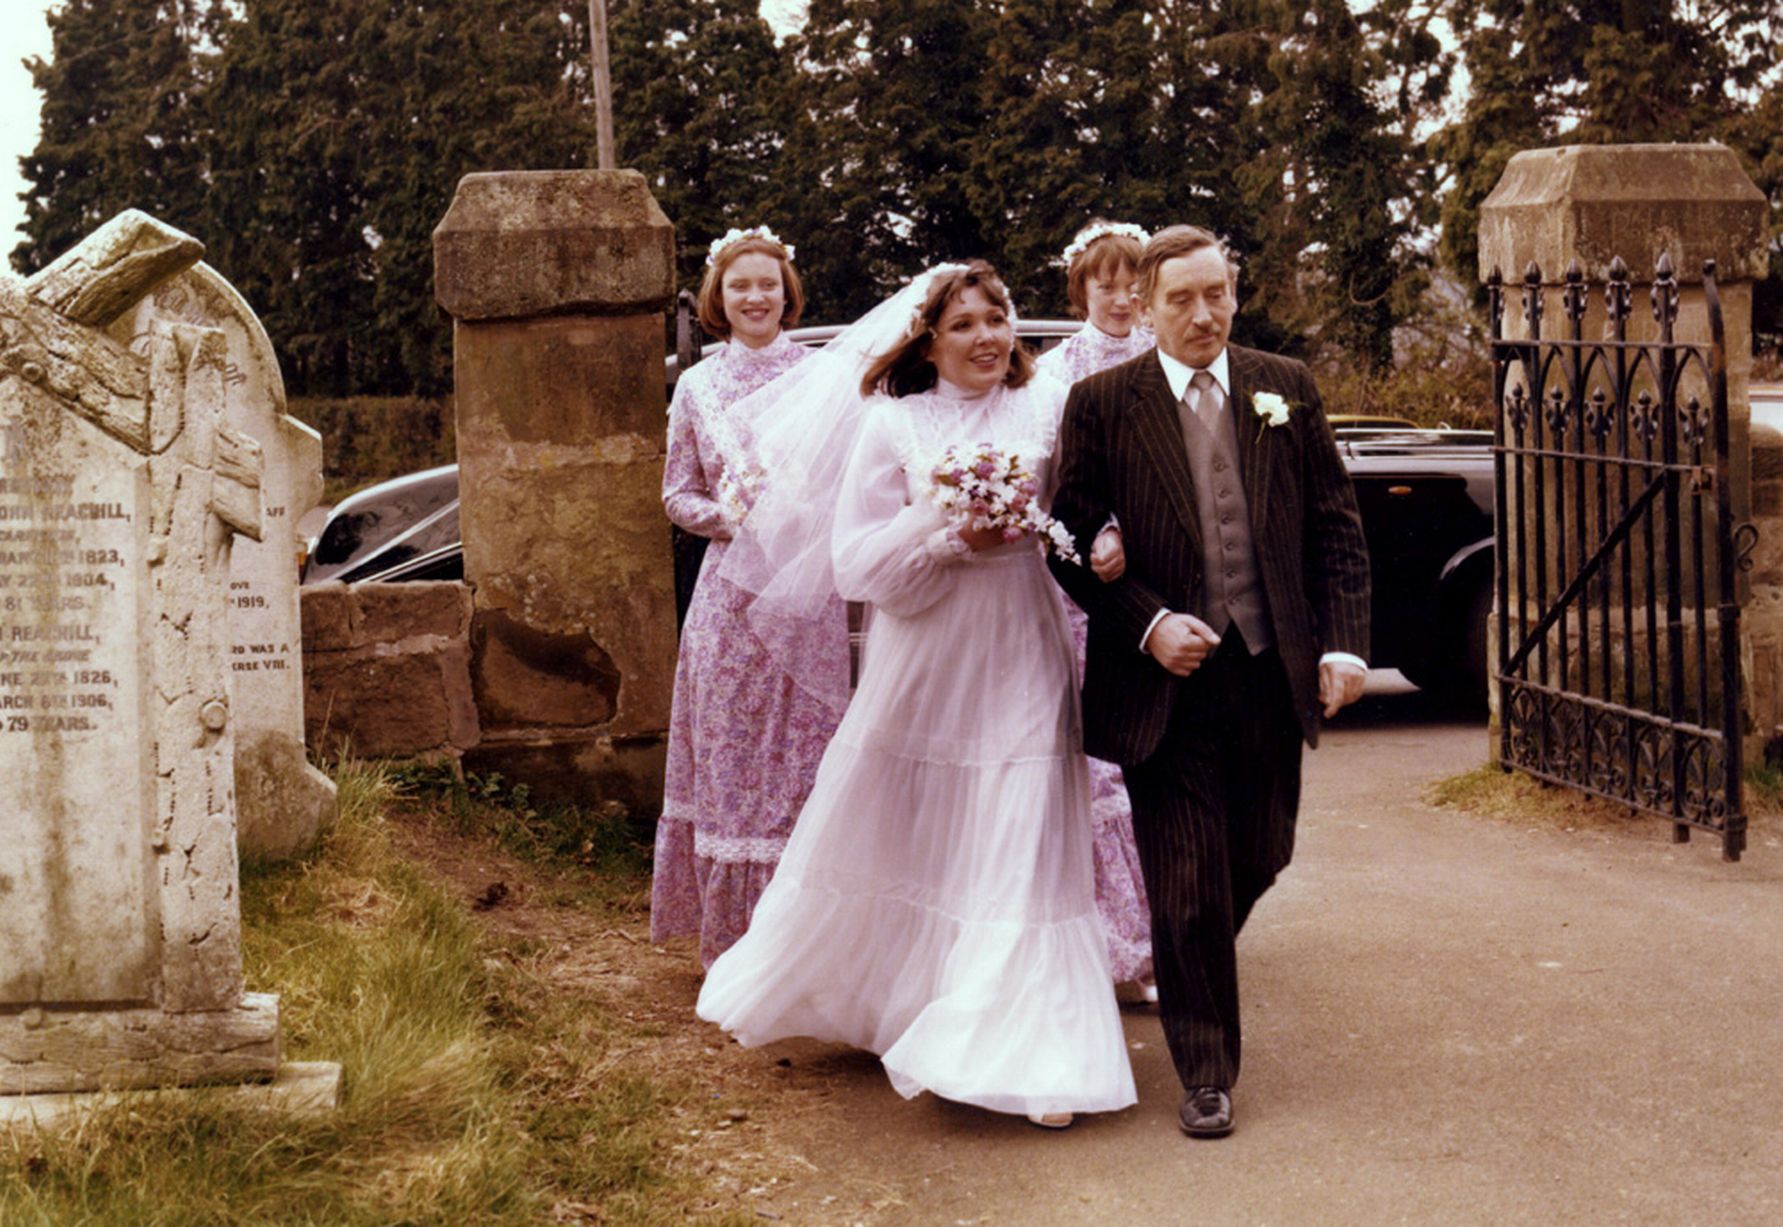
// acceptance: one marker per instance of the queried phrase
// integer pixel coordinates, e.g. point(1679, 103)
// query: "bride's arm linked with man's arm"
point(1084, 503)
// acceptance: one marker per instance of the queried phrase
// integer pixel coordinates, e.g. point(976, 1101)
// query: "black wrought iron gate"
point(1618, 665)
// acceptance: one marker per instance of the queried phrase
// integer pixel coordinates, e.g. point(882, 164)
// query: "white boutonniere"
point(1270, 407)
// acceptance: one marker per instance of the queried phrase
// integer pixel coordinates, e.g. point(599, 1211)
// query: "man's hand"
point(1180, 642)
point(1340, 684)
point(1108, 556)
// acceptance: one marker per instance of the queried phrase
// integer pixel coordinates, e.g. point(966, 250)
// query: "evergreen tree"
point(878, 183)
point(118, 126)
point(1081, 131)
point(702, 108)
point(1356, 182)
point(340, 131)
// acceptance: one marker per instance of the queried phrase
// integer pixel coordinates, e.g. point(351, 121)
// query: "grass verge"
point(1514, 797)
point(474, 1092)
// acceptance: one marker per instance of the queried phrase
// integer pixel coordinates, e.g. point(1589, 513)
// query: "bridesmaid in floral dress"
point(1101, 266)
point(744, 741)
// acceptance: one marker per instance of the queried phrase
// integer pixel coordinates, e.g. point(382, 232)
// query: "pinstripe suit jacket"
point(1121, 453)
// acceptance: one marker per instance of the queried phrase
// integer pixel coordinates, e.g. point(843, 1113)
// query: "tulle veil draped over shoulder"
point(793, 439)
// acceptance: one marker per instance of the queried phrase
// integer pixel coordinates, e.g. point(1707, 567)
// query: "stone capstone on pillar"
point(524, 244)
point(1593, 203)
point(557, 282)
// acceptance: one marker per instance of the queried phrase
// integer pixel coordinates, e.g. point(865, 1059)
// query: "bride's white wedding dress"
point(935, 903)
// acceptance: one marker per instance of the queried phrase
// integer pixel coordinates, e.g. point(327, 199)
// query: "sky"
point(23, 34)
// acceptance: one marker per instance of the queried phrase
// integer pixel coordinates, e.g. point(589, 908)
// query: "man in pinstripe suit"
point(1242, 613)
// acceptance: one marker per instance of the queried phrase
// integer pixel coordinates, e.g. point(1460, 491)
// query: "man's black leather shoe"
point(1206, 1112)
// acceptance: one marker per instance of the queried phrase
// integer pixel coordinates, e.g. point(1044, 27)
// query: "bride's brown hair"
point(905, 369)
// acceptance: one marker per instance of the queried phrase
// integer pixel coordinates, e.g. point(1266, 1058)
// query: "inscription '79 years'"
point(61, 560)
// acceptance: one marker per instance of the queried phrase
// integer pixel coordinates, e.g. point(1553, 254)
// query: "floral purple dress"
point(1120, 890)
point(744, 740)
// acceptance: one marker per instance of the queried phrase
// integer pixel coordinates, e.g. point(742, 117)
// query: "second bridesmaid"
point(744, 740)
point(1102, 265)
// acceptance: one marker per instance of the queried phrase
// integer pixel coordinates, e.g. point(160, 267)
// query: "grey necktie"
point(1205, 399)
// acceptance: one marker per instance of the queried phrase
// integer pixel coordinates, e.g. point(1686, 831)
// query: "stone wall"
point(386, 670)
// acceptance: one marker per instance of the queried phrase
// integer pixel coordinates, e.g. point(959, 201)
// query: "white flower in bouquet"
point(983, 488)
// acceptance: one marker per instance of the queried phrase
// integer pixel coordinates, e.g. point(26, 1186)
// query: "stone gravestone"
point(283, 804)
point(122, 490)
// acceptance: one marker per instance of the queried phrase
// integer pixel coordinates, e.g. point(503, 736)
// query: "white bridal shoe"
point(1050, 1120)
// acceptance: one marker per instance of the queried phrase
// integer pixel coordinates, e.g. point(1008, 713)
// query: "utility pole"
point(605, 158)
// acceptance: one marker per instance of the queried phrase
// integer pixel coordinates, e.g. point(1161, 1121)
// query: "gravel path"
point(1448, 1019)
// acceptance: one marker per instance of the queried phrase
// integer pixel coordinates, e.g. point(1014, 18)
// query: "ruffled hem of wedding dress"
point(1007, 1015)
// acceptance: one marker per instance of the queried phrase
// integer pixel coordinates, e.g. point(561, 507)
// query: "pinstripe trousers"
point(1213, 820)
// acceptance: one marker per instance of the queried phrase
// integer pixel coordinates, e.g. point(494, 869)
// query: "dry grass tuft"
point(1490, 792)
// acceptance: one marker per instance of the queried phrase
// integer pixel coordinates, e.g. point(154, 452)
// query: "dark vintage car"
point(1425, 497)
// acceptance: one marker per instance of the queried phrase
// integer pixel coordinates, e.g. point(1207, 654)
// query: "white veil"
point(794, 437)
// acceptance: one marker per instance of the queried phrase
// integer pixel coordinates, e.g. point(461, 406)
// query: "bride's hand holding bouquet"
point(993, 499)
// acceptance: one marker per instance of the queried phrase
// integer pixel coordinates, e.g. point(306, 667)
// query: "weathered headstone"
point(283, 804)
point(122, 490)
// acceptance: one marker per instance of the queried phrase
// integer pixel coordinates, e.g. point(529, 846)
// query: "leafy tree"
point(1592, 72)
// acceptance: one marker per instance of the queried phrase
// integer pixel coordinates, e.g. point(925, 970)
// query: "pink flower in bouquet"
point(986, 489)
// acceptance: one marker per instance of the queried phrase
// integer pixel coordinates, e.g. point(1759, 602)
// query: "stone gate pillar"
point(557, 283)
point(1590, 204)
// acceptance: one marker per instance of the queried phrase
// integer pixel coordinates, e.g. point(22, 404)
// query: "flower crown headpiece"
point(734, 236)
point(1101, 230)
point(924, 283)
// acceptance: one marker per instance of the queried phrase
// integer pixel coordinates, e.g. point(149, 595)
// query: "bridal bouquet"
point(984, 488)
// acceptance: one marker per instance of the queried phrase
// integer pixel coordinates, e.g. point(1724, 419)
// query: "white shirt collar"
point(1179, 373)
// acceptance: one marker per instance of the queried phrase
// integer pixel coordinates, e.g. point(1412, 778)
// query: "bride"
point(935, 903)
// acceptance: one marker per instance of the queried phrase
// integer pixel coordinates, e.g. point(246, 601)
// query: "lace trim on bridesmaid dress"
point(738, 849)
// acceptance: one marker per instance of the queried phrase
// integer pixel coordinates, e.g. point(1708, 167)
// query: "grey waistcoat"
point(1232, 589)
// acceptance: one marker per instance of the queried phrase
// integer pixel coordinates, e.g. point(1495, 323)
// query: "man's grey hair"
point(1174, 241)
